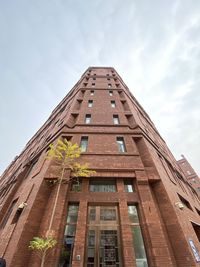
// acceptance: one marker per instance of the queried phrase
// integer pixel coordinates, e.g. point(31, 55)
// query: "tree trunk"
point(55, 202)
point(43, 260)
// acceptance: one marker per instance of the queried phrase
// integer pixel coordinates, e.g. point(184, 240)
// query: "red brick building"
point(189, 173)
point(137, 210)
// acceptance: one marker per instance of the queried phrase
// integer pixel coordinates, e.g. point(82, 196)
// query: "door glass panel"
point(103, 247)
point(108, 248)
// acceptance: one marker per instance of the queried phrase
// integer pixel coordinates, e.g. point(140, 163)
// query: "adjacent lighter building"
point(138, 209)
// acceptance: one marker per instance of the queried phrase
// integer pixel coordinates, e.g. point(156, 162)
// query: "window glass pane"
point(92, 214)
point(121, 145)
point(87, 118)
point(84, 143)
point(133, 215)
point(113, 105)
point(67, 252)
point(76, 185)
point(128, 186)
point(115, 119)
point(69, 236)
point(92, 92)
point(91, 254)
point(107, 214)
point(72, 214)
point(102, 186)
point(91, 238)
point(70, 230)
point(140, 254)
point(91, 248)
point(110, 93)
point(90, 103)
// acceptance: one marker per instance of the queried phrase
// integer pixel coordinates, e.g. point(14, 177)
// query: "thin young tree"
point(65, 155)
point(42, 246)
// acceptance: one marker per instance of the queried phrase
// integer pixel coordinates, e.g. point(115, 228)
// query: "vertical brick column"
point(127, 243)
point(158, 251)
point(58, 224)
point(80, 239)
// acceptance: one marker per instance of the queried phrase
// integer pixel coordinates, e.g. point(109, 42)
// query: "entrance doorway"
point(103, 242)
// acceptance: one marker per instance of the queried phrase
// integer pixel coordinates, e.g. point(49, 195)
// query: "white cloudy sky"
point(46, 45)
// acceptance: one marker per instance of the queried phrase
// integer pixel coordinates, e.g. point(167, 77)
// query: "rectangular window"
point(121, 144)
point(128, 185)
point(107, 214)
point(88, 118)
point(84, 143)
point(90, 103)
point(93, 84)
point(138, 243)
point(103, 185)
point(115, 119)
point(91, 248)
point(69, 235)
point(133, 214)
point(76, 185)
point(92, 92)
point(109, 85)
point(113, 104)
point(111, 93)
point(92, 214)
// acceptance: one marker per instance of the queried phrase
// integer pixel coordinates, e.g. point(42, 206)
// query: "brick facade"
point(168, 207)
point(189, 173)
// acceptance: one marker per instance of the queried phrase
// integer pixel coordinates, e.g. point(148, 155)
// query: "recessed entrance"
point(103, 244)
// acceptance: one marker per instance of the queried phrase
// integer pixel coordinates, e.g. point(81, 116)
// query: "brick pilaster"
point(80, 240)
point(158, 248)
point(127, 243)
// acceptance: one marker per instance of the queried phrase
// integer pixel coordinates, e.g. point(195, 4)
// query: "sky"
point(45, 46)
